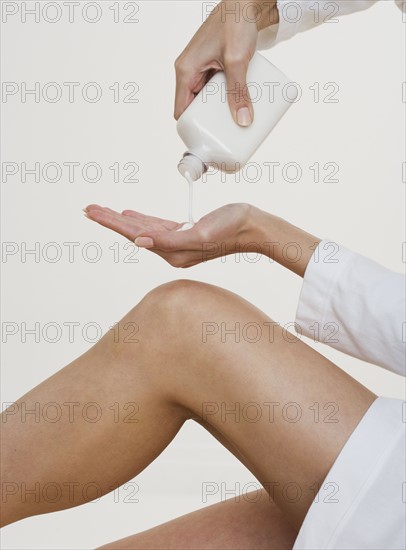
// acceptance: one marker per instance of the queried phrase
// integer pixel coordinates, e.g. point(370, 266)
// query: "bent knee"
point(185, 303)
point(177, 313)
point(176, 295)
point(184, 297)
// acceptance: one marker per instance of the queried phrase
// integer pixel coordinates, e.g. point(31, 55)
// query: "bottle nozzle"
point(193, 165)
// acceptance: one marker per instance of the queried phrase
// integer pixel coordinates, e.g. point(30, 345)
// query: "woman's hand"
point(224, 231)
point(231, 229)
point(226, 41)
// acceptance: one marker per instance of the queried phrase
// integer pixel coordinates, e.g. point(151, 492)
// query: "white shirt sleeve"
point(297, 16)
point(354, 305)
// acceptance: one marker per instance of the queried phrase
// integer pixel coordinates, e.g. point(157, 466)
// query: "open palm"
point(216, 234)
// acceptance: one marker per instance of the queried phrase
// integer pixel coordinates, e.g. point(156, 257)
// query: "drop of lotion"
point(190, 223)
point(186, 226)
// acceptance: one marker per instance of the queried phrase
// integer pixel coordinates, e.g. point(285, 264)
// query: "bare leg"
point(173, 374)
point(254, 522)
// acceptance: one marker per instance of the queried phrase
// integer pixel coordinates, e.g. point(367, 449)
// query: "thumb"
point(237, 91)
point(165, 240)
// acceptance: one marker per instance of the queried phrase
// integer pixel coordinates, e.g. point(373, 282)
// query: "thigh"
point(285, 410)
point(250, 522)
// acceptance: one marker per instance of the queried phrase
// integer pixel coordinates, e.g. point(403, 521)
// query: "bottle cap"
point(193, 165)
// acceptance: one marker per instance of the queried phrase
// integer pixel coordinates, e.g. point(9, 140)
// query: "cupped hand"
point(219, 233)
point(226, 41)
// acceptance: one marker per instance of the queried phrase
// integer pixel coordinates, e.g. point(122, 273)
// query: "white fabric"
point(357, 306)
point(354, 305)
point(361, 502)
point(297, 16)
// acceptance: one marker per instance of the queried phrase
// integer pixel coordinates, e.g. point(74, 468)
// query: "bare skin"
point(231, 229)
point(239, 525)
point(226, 41)
point(180, 369)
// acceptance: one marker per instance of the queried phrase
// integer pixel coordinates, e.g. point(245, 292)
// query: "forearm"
point(302, 15)
point(281, 241)
point(262, 12)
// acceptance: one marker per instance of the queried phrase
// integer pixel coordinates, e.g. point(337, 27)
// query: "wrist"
point(281, 241)
point(264, 12)
point(257, 225)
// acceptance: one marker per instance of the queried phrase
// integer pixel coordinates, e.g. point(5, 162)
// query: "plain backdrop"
point(361, 57)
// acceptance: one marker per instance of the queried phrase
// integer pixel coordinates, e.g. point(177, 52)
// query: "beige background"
point(363, 133)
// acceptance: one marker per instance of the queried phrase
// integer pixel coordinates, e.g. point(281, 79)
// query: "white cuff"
point(301, 15)
point(313, 315)
point(355, 305)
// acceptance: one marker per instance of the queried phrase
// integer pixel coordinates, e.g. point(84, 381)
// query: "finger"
point(183, 95)
point(92, 207)
point(111, 211)
point(96, 207)
point(133, 214)
point(152, 220)
point(190, 79)
point(186, 92)
point(168, 240)
point(235, 69)
point(117, 223)
point(102, 208)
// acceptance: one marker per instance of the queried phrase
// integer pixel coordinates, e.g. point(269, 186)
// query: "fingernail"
point(244, 116)
point(144, 242)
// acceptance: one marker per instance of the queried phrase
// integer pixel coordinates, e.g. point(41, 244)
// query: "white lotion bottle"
point(208, 129)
